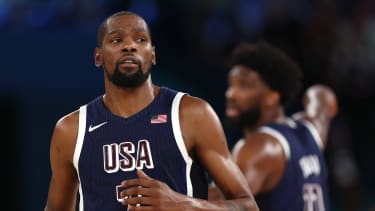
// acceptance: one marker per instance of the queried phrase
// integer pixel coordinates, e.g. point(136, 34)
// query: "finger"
point(141, 208)
point(133, 183)
point(143, 180)
point(130, 192)
point(138, 201)
point(134, 201)
point(130, 201)
point(142, 174)
point(136, 191)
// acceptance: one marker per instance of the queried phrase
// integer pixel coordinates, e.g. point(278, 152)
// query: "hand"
point(146, 193)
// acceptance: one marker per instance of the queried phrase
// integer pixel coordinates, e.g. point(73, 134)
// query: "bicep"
point(205, 131)
point(64, 182)
point(262, 161)
point(255, 174)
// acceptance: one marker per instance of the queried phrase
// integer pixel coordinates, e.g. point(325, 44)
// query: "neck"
point(125, 102)
point(276, 115)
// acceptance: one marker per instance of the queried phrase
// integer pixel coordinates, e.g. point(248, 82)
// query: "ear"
point(98, 57)
point(272, 98)
point(153, 56)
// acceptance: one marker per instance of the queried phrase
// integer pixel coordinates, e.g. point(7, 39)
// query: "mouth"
point(231, 111)
point(128, 61)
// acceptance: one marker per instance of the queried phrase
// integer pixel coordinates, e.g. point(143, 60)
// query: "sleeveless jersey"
point(303, 186)
point(111, 148)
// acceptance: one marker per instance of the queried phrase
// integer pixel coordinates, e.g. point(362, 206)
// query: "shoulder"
point(262, 158)
point(191, 105)
point(65, 134)
point(68, 122)
point(260, 145)
point(200, 125)
point(196, 111)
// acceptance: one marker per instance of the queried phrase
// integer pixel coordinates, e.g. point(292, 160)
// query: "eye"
point(246, 85)
point(140, 40)
point(116, 40)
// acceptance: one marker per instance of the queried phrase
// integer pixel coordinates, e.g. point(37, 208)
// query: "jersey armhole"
point(80, 136)
point(310, 127)
point(279, 137)
point(175, 118)
point(314, 133)
point(237, 146)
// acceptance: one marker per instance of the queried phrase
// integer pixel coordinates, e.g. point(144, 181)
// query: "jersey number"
point(313, 197)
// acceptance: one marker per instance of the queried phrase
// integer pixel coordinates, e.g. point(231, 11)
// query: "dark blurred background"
point(48, 71)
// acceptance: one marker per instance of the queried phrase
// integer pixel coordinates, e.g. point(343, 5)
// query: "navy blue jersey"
point(110, 148)
point(303, 186)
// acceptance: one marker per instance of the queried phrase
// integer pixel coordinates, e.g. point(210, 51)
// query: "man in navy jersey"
point(280, 156)
point(140, 146)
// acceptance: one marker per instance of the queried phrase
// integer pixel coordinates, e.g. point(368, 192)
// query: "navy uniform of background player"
point(280, 156)
point(140, 146)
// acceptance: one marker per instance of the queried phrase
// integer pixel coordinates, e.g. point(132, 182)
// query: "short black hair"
point(103, 26)
point(274, 66)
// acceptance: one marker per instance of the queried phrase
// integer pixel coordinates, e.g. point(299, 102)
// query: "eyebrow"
point(114, 32)
point(134, 30)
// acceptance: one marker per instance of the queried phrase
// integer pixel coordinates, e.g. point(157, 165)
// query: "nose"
point(229, 93)
point(129, 46)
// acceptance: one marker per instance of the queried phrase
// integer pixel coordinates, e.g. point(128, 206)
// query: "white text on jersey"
point(310, 165)
point(125, 157)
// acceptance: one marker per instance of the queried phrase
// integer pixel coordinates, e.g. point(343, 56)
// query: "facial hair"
point(247, 118)
point(125, 80)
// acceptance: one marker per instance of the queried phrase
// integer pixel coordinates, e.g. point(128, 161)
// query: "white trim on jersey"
point(175, 117)
point(279, 137)
point(79, 144)
point(81, 135)
point(238, 145)
point(314, 133)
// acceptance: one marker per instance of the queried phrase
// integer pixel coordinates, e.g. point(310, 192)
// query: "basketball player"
point(140, 146)
point(281, 157)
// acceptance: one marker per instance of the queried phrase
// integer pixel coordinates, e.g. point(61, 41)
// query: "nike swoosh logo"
point(92, 128)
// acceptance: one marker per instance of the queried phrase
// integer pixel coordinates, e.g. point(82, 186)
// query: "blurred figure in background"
point(280, 156)
point(344, 177)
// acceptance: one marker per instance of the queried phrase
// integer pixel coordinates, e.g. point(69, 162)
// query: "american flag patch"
point(160, 118)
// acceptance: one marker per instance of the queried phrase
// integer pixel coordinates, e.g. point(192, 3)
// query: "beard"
point(247, 118)
point(126, 80)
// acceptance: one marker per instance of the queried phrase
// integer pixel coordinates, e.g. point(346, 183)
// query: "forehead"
point(244, 73)
point(126, 23)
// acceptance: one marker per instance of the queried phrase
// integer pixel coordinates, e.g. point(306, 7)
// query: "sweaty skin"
point(260, 156)
point(124, 45)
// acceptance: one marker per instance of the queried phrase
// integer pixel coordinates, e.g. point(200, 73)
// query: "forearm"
point(214, 193)
point(239, 204)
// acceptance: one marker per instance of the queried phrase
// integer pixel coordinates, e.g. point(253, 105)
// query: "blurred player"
point(280, 156)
